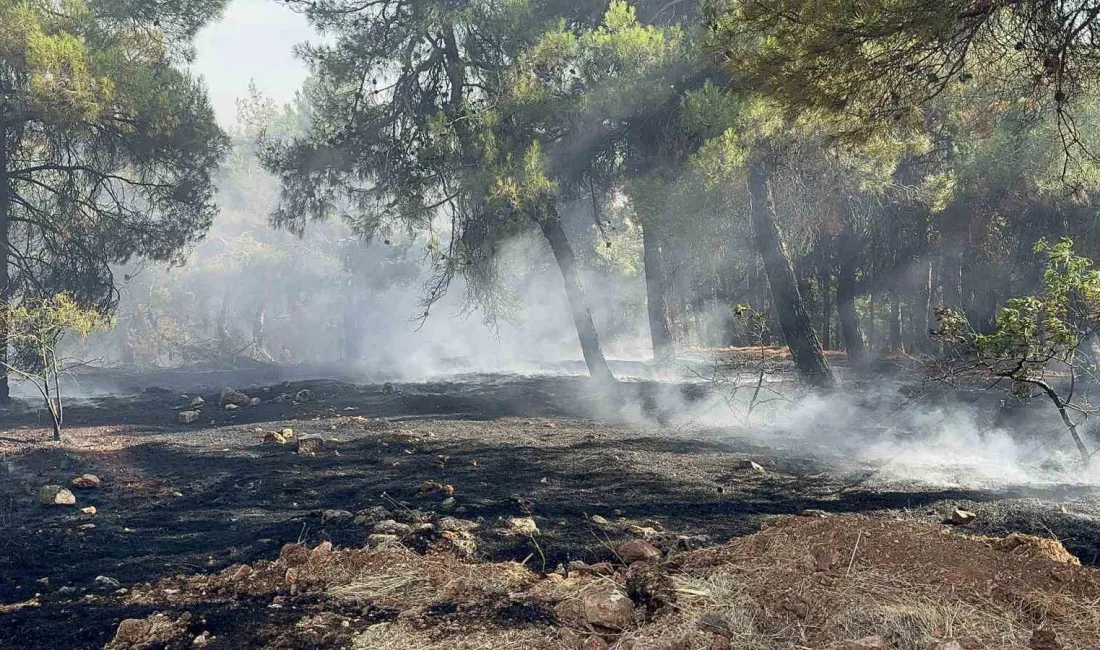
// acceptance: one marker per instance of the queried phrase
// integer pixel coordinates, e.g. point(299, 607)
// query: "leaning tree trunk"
point(824, 279)
point(793, 319)
point(5, 255)
point(655, 290)
point(574, 290)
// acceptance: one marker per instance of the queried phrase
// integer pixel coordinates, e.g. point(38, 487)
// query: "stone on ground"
point(960, 517)
point(90, 510)
point(255, 401)
point(310, 444)
point(86, 482)
point(272, 438)
point(608, 609)
point(638, 551)
point(55, 495)
point(521, 526)
point(233, 396)
point(188, 417)
point(335, 515)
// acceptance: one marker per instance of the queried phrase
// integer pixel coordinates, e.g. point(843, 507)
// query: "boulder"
point(335, 515)
point(322, 552)
point(255, 401)
point(638, 551)
point(86, 482)
point(55, 495)
point(187, 417)
point(234, 397)
point(287, 433)
point(750, 466)
point(391, 527)
point(231, 407)
point(310, 444)
point(196, 402)
point(599, 521)
point(90, 510)
point(961, 517)
point(521, 526)
point(608, 609)
point(132, 632)
point(104, 582)
point(272, 438)
point(304, 395)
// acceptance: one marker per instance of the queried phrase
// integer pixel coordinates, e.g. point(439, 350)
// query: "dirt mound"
point(799, 583)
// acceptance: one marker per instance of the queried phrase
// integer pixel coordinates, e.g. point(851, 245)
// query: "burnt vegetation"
point(557, 324)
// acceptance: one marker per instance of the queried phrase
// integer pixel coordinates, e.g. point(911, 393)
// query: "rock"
point(196, 402)
point(104, 582)
point(86, 482)
point(814, 513)
point(454, 524)
point(608, 609)
point(866, 643)
point(447, 504)
point(322, 552)
point(961, 517)
point(287, 433)
point(310, 444)
point(304, 395)
point(232, 396)
point(90, 510)
point(378, 539)
point(750, 466)
point(372, 515)
point(187, 417)
point(391, 527)
point(55, 495)
point(255, 401)
point(599, 521)
point(645, 532)
point(387, 388)
point(132, 632)
point(272, 438)
point(231, 407)
point(521, 526)
point(638, 551)
point(202, 640)
point(335, 515)
point(1044, 640)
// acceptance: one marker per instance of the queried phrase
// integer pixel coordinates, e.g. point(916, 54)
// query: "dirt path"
point(177, 499)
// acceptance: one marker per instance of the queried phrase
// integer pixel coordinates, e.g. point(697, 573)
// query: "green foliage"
point(1033, 331)
point(108, 145)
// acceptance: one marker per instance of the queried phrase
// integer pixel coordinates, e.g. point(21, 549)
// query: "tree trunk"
point(574, 290)
point(952, 277)
point(922, 312)
point(824, 279)
point(895, 318)
point(872, 322)
point(850, 330)
point(655, 289)
point(793, 319)
point(5, 259)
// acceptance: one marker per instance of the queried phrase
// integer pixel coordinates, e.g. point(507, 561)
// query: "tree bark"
point(824, 279)
point(799, 333)
point(550, 223)
point(5, 259)
point(895, 318)
point(655, 289)
point(850, 330)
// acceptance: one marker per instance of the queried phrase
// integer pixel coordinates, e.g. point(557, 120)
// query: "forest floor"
point(477, 512)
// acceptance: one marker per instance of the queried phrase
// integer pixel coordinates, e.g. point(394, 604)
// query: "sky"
point(253, 41)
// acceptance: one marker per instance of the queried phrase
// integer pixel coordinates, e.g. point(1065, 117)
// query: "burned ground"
point(195, 499)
